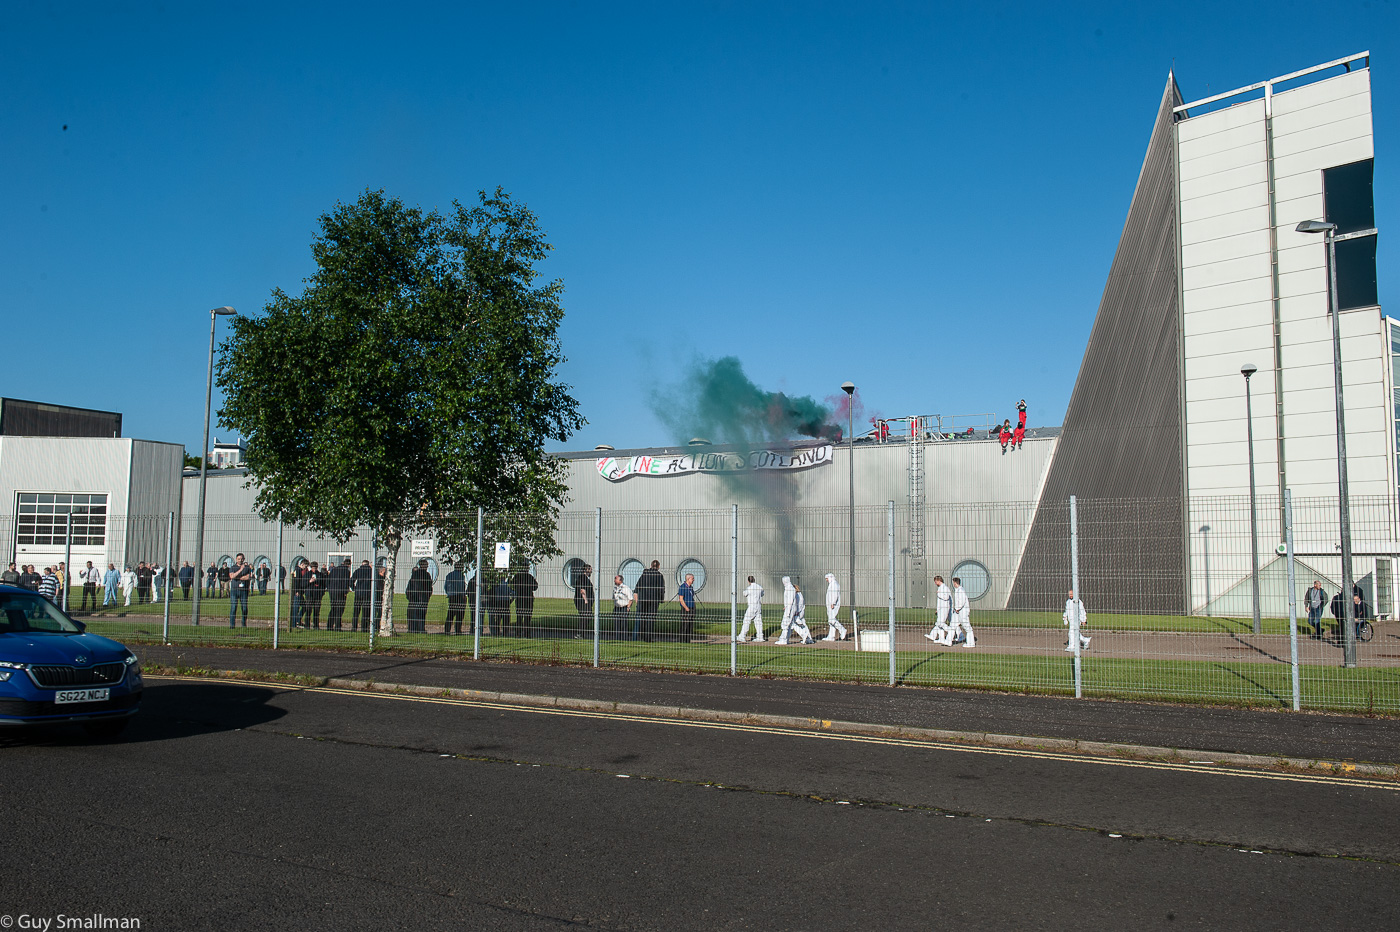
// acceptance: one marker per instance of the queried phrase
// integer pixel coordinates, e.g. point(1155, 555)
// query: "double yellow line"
point(1025, 753)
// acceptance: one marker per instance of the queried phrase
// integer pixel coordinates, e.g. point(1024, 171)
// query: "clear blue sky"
point(921, 199)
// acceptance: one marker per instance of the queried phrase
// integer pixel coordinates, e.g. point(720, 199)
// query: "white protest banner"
point(615, 469)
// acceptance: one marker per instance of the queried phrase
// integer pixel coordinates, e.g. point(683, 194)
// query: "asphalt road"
point(232, 806)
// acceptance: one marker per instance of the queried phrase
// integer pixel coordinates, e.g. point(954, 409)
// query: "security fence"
point(1178, 628)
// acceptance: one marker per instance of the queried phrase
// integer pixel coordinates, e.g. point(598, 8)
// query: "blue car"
point(52, 672)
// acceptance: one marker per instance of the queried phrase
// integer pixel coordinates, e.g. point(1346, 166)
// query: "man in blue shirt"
point(685, 594)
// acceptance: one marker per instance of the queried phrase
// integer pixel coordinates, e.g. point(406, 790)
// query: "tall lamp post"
point(850, 389)
point(1329, 232)
point(214, 315)
point(1247, 370)
point(1205, 547)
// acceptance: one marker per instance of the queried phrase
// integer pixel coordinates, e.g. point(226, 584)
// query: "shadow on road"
point(169, 712)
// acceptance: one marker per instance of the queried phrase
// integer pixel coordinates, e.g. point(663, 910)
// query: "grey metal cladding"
point(1122, 431)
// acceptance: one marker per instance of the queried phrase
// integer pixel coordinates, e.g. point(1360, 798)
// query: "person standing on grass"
point(361, 582)
point(111, 581)
point(962, 613)
point(524, 584)
point(143, 583)
point(264, 573)
point(651, 592)
point(454, 586)
point(835, 631)
point(211, 578)
point(498, 599)
point(623, 600)
point(128, 584)
point(417, 594)
point(315, 592)
point(90, 575)
point(753, 615)
point(1075, 617)
point(1316, 600)
point(685, 595)
point(223, 575)
point(338, 585)
point(240, 582)
point(794, 608)
point(583, 592)
point(298, 595)
point(186, 579)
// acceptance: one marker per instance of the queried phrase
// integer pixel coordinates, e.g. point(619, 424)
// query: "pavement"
point(1103, 726)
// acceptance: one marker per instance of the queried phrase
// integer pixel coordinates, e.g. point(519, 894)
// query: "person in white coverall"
point(942, 633)
point(835, 631)
point(128, 584)
point(962, 612)
point(1075, 618)
point(753, 615)
point(793, 607)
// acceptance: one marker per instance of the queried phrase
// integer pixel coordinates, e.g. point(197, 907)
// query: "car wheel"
point(105, 731)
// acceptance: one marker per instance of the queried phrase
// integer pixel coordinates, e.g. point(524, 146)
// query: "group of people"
point(146, 581)
point(640, 603)
point(1316, 599)
point(496, 597)
point(220, 575)
point(1012, 436)
point(311, 583)
point(794, 618)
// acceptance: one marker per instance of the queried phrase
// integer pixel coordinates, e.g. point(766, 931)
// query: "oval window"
point(975, 578)
point(694, 566)
point(630, 571)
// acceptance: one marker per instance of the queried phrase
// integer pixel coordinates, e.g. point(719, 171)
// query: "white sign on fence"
point(503, 555)
point(421, 547)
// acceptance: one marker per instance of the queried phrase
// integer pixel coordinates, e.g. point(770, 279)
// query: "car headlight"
point(131, 659)
point(5, 675)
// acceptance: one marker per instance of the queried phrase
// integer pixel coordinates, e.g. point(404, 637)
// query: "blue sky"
point(922, 199)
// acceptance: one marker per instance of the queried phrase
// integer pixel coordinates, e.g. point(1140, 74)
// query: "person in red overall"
point(1005, 435)
point(1018, 436)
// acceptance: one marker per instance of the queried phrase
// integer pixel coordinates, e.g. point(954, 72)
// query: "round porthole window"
point(572, 569)
point(630, 571)
point(691, 566)
point(975, 578)
point(260, 562)
point(225, 560)
point(432, 568)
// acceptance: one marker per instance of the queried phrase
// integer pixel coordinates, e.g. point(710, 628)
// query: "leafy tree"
point(410, 382)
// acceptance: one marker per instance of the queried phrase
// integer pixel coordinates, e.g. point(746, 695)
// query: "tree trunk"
point(392, 539)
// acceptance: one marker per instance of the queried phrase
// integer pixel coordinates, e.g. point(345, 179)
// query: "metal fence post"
point(597, 586)
point(68, 557)
point(1292, 593)
point(734, 591)
point(480, 589)
point(1078, 598)
point(890, 534)
point(169, 558)
point(277, 589)
point(373, 584)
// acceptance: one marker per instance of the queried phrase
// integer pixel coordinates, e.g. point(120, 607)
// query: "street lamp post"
point(1247, 370)
point(1205, 548)
point(214, 315)
point(850, 389)
point(1329, 232)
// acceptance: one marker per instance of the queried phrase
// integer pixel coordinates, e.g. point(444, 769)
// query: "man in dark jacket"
point(454, 586)
point(498, 599)
point(264, 574)
point(524, 586)
point(651, 592)
point(417, 594)
point(144, 575)
point(1358, 606)
point(338, 585)
point(311, 599)
point(361, 581)
point(186, 579)
point(298, 594)
point(583, 594)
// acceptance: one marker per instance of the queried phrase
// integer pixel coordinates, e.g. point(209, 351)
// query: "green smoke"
point(717, 401)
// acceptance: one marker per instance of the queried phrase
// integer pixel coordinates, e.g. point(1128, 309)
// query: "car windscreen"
point(21, 612)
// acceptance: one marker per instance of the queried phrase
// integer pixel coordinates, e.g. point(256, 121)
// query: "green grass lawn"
point(715, 617)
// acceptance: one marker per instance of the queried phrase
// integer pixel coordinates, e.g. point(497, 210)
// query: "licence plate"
point(81, 695)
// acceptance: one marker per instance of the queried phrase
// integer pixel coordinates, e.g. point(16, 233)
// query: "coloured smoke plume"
point(717, 401)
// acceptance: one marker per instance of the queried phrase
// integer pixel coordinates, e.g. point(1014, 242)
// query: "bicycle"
point(1364, 631)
